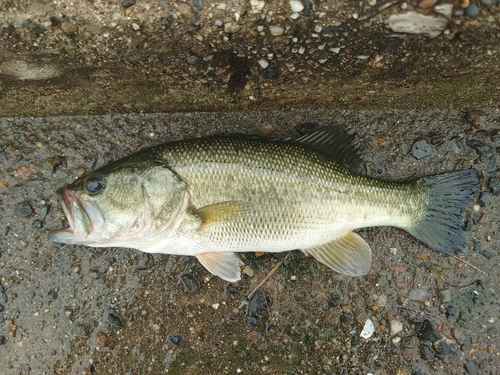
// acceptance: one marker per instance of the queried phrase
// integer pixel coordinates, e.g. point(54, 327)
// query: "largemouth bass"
point(211, 197)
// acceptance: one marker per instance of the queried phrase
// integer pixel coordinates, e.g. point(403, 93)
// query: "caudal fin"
point(441, 225)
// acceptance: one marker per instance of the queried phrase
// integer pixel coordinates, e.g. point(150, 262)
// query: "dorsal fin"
point(336, 143)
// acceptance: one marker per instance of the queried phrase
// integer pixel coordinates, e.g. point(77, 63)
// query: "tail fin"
point(441, 225)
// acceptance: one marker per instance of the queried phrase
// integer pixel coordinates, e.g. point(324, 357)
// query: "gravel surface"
point(100, 57)
point(78, 310)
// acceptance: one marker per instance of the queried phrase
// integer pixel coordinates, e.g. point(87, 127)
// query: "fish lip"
point(71, 234)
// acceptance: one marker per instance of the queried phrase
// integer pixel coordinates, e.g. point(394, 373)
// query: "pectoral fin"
point(349, 254)
point(224, 265)
point(221, 212)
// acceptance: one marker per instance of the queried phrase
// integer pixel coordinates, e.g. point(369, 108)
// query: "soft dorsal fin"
point(336, 143)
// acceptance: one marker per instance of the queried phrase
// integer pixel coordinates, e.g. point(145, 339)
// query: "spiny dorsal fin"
point(349, 255)
point(336, 143)
point(224, 265)
point(221, 212)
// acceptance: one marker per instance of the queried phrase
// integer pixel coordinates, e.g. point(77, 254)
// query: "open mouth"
point(76, 212)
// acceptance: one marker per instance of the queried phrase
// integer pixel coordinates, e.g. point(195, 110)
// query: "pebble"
point(334, 300)
point(426, 352)
point(424, 4)
point(276, 30)
point(427, 332)
point(248, 271)
point(450, 311)
point(475, 116)
point(115, 320)
point(396, 327)
point(128, 3)
point(255, 306)
point(480, 147)
point(421, 149)
point(455, 145)
point(444, 348)
point(37, 224)
point(444, 9)
point(69, 28)
point(445, 295)
point(101, 339)
point(484, 198)
point(486, 3)
point(232, 289)
point(493, 164)
point(190, 284)
point(419, 294)
point(472, 10)
point(44, 211)
point(52, 294)
point(296, 6)
point(231, 28)
point(307, 8)
point(175, 339)
point(23, 209)
point(263, 63)
point(257, 5)
point(320, 56)
point(192, 27)
point(198, 4)
point(193, 59)
point(186, 10)
point(368, 329)
point(470, 368)
point(136, 27)
point(2, 340)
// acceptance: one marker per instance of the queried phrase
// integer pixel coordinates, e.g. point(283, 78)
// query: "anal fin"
point(224, 265)
point(348, 254)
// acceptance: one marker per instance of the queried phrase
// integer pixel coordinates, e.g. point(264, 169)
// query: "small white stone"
point(372, 3)
point(135, 26)
point(260, 28)
point(296, 6)
point(294, 16)
point(444, 9)
point(368, 329)
point(257, 5)
point(215, 306)
point(318, 28)
point(263, 63)
point(221, 6)
point(276, 30)
point(302, 49)
point(396, 327)
point(335, 49)
point(231, 28)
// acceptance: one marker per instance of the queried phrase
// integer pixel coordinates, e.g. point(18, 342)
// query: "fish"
point(216, 196)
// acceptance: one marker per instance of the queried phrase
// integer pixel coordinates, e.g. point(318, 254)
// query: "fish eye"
point(95, 184)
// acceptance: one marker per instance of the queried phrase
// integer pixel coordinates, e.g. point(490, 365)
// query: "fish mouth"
point(81, 216)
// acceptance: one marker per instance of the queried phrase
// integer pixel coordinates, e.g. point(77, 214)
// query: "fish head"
point(119, 204)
